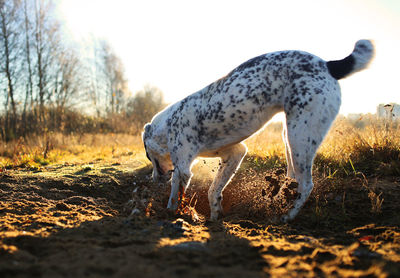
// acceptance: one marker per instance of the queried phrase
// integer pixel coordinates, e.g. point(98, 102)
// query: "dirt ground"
point(109, 220)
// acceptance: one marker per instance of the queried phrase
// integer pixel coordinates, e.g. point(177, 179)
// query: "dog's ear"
point(147, 131)
point(147, 128)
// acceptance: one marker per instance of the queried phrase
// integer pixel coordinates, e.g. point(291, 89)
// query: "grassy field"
point(372, 149)
point(85, 205)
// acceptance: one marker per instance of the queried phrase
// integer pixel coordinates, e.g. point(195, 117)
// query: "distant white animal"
point(214, 121)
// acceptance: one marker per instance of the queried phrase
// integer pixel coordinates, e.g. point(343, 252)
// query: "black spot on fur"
point(250, 63)
point(317, 91)
point(313, 142)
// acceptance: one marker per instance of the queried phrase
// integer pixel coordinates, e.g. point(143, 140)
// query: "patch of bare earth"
point(112, 222)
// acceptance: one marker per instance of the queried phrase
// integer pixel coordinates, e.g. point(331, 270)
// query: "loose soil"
point(109, 220)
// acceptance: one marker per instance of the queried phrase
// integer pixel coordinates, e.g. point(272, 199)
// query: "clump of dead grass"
point(373, 149)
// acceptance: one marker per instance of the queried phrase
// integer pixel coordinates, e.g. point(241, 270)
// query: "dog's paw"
point(215, 216)
point(172, 205)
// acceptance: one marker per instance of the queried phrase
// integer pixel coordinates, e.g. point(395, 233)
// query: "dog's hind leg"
point(306, 128)
point(231, 159)
point(289, 161)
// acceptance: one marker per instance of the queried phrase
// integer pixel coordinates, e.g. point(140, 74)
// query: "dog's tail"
point(358, 60)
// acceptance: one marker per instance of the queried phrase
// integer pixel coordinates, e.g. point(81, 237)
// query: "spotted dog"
point(214, 121)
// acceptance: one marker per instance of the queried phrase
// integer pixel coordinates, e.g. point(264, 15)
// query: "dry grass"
point(372, 149)
point(268, 142)
point(39, 151)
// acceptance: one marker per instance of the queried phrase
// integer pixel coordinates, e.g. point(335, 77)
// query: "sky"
point(181, 46)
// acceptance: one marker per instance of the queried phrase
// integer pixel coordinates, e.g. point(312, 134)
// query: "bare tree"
point(46, 43)
point(68, 81)
point(9, 39)
point(29, 80)
point(93, 71)
point(144, 105)
point(115, 86)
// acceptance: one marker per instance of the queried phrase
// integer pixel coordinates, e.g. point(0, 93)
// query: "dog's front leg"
point(180, 180)
point(231, 159)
